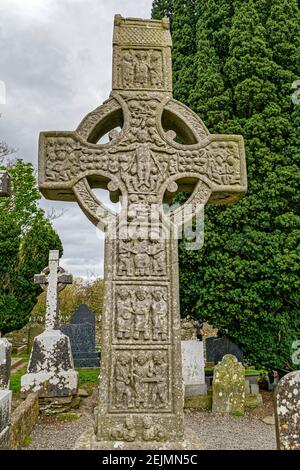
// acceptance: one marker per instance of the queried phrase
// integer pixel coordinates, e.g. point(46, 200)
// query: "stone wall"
point(23, 420)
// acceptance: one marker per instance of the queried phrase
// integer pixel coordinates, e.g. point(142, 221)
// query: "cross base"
point(51, 371)
point(88, 441)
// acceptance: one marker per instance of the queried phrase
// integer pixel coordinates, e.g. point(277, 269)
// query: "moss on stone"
point(198, 402)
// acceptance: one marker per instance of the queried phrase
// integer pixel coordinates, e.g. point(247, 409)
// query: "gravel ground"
point(52, 434)
point(216, 432)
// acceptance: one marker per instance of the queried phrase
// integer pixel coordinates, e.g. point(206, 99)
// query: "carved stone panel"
point(141, 313)
point(140, 380)
point(141, 258)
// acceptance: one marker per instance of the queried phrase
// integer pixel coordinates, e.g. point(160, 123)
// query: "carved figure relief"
point(125, 431)
point(141, 380)
point(140, 69)
point(123, 381)
point(142, 314)
point(152, 432)
point(141, 258)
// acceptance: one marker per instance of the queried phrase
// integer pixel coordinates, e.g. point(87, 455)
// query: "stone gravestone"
point(162, 148)
point(51, 370)
point(5, 353)
point(81, 332)
point(228, 386)
point(5, 393)
point(5, 362)
point(5, 189)
point(287, 412)
point(193, 368)
point(216, 348)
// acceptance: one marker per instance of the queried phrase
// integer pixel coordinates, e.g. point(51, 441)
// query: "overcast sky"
point(55, 62)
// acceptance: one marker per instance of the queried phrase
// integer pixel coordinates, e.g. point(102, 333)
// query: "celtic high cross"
point(161, 147)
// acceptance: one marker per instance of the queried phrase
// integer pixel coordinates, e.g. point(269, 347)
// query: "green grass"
point(237, 413)
point(15, 379)
point(26, 441)
point(67, 416)
point(88, 379)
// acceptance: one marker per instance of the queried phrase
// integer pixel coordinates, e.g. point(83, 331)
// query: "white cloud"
point(55, 62)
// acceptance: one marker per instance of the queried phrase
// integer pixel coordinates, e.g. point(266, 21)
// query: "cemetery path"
point(225, 432)
point(52, 434)
point(215, 431)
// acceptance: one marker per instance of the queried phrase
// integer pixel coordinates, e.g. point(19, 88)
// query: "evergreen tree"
point(26, 237)
point(246, 277)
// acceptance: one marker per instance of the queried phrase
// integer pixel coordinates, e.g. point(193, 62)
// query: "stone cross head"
point(53, 279)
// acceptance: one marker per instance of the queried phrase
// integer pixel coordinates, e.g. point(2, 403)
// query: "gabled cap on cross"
point(5, 184)
point(54, 279)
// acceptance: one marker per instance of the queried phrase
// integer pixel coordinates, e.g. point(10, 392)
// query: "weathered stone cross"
point(53, 279)
point(162, 148)
point(51, 370)
point(5, 189)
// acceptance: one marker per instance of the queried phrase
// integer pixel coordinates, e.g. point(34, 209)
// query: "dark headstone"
point(81, 336)
point(81, 331)
point(217, 348)
point(83, 315)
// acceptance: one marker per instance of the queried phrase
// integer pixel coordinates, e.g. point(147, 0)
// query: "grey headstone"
point(5, 362)
point(193, 367)
point(287, 412)
point(5, 410)
point(216, 348)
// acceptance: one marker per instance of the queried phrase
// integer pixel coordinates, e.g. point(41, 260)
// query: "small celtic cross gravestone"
point(53, 279)
point(161, 148)
point(51, 370)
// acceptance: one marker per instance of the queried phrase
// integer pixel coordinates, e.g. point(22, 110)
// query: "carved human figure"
point(155, 69)
point(141, 372)
point(142, 260)
point(144, 167)
point(152, 432)
point(127, 69)
point(158, 387)
point(125, 265)
point(142, 314)
point(159, 317)
point(125, 431)
point(124, 314)
point(141, 70)
point(123, 381)
point(157, 253)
